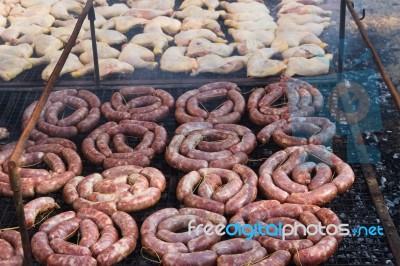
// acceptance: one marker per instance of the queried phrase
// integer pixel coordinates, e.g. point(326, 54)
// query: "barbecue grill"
point(355, 207)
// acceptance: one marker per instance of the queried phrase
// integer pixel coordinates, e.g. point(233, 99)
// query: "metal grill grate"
point(355, 207)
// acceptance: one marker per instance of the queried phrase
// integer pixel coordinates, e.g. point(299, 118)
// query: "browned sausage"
point(55, 183)
point(206, 258)
point(90, 98)
point(318, 253)
point(109, 236)
point(14, 238)
point(118, 102)
point(57, 131)
point(52, 112)
point(61, 141)
point(74, 118)
point(323, 174)
point(65, 229)
point(135, 91)
point(117, 251)
point(302, 173)
point(40, 247)
point(319, 196)
point(229, 162)
point(55, 220)
point(110, 114)
point(73, 160)
point(55, 163)
point(66, 260)
point(89, 233)
point(100, 218)
point(60, 246)
point(90, 121)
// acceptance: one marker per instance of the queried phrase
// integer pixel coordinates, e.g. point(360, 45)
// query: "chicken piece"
point(98, 23)
point(302, 19)
point(137, 56)
point(287, 39)
point(60, 10)
point(146, 13)
point(249, 46)
point(114, 10)
point(210, 4)
point(314, 28)
point(64, 33)
point(28, 3)
point(213, 63)
point(174, 60)
point(106, 67)
point(161, 24)
point(108, 36)
point(308, 67)
point(265, 37)
point(155, 4)
point(304, 2)
point(11, 66)
point(156, 40)
point(183, 38)
point(305, 50)
point(12, 33)
point(198, 12)
point(35, 10)
point(104, 51)
point(264, 24)
point(124, 24)
point(44, 21)
point(5, 9)
point(260, 64)
point(3, 21)
point(248, 16)
point(43, 44)
point(22, 50)
point(244, 7)
point(250, 1)
point(201, 47)
point(294, 7)
point(193, 23)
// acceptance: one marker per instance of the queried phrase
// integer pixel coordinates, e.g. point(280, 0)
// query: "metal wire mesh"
point(355, 207)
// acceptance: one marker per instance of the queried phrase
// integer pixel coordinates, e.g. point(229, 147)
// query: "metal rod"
point(342, 34)
point(378, 62)
point(92, 18)
point(15, 181)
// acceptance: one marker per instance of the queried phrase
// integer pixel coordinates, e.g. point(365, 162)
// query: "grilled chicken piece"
point(155, 4)
point(308, 67)
point(185, 37)
point(302, 19)
point(174, 60)
point(44, 21)
point(294, 7)
point(156, 40)
point(244, 7)
point(265, 37)
point(248, 16)
point(198, 12)
point(137, 56)
point(305, 50)
point(201, 47)
point(106, 67)
point(265, 24)
point(213, 63)
point(260, 64)
point(43, 44)
point(124, 24)
point(22, 50)
point(108, 36)
point(112, 11)
point(146, 13)
point(194, 23)
point(60, 9)
point(164, 24)
point(11, 66)
point(210, 4)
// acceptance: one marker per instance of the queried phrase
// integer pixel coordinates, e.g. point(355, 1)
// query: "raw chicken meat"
point(3, 21)
point(6, 8)
point(304, 2)
point(198, 12)
point(99, 22)
point(265, 37)
point(44, 21)
point(28, 3)
point(22, 50)
point(64, 33)
point(265, 24)
point(158, 41)
point(314, 28)
point(201, 47)
point(162, 24)
point(287, 39)
point(302, 19)
point(11, 66)
point(137, 56)
point(248, 16)
point(106, 67)
point(43, 44)
point(210, 4)
point(260, 64)
point(249, 46)
point(308, 67)
point(108, 36)
point(244, 7)
point(103, 51)
point(35, 10)
point(174, 60)
point(305, 50)
point(185, 37)
point(300, 9)
point(156, 4)
point(112, 11)
point(12, 33)
point(213, 63)
point(146, 13)
point(123, 24)
point(60, 9)
point(193, 23)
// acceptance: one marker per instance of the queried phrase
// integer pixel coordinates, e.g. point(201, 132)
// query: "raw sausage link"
point(36, 206)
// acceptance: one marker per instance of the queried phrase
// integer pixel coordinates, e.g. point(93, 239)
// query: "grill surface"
point(355, 207)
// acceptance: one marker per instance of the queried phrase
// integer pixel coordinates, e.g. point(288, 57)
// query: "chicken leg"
point(185, 37)
point(158, 41)
point(213, 63)
point(137, 56)
point(162, 24)
point(308, 67)
point(201, 47)
point(174, 60)
point(193, 23)
point(11, 66)
point(106, 67)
